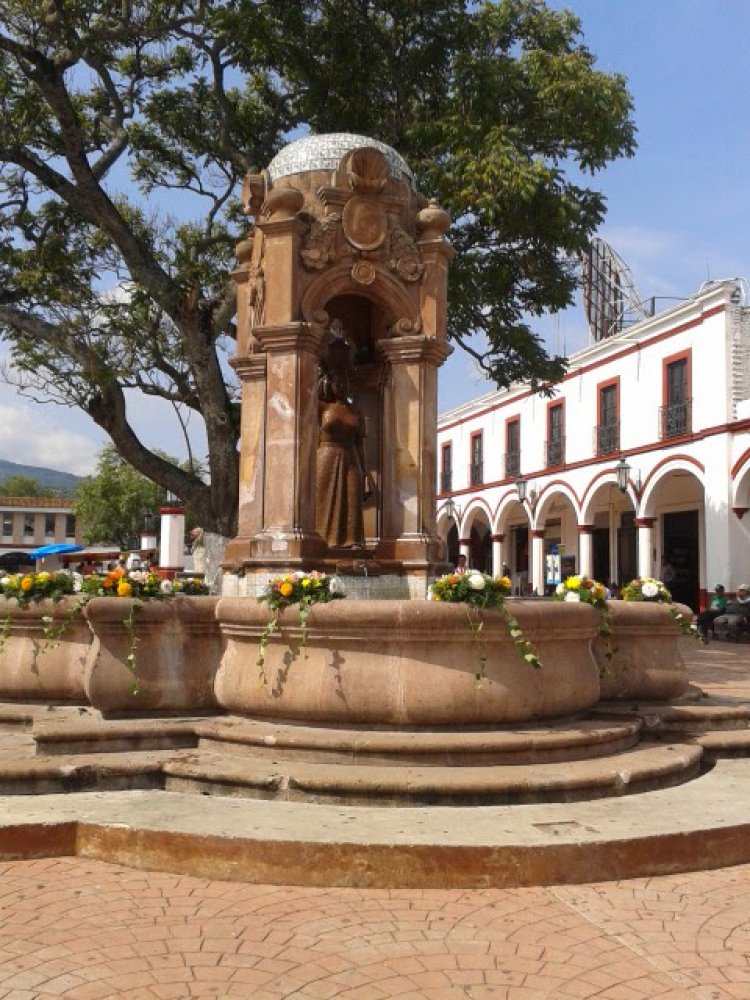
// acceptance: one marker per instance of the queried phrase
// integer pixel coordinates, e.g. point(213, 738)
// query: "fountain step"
point(645, 768)
point(724, 743)
point(672, 718)
point(562, 740)
point(92, 734)
point(21, 773)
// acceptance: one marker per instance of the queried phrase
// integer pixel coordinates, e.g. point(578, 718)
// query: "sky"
point(678, 211)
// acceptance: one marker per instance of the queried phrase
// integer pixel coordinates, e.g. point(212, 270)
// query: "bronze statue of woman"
point(341, 480)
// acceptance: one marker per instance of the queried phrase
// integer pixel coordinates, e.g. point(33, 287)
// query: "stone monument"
point(341, 329)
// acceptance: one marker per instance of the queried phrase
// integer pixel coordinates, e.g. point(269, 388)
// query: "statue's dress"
point(340, 479)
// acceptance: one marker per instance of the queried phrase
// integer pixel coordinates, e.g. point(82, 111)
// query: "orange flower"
point(27, 582)
point(124, 589)
point(108, 583)
point(286, 589)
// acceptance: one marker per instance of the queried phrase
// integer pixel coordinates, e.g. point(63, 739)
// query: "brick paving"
point(87, 930)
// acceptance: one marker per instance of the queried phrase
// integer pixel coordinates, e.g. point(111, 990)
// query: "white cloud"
point(30, 435)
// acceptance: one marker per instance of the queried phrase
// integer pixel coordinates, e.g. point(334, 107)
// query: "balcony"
point(476, 473)
point(676, 419)
point(606, 439)
point(446, 481)
point(512, 465)
point(554, 452)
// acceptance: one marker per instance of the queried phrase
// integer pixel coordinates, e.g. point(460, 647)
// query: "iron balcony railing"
point(676, 419)
point(476, 473)
point(606, 438)
point(554, 451)
point(446, 481)
point(512, 464)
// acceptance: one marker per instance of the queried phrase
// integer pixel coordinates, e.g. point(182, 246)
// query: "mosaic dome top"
point(324, 152)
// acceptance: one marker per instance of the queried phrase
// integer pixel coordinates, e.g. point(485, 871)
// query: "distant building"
point(29, 522)
point(665, 406)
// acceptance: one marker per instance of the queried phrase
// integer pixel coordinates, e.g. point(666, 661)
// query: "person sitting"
point(718, 606)
point(736, 619)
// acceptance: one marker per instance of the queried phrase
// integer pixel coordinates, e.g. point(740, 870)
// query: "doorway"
point(681, 556)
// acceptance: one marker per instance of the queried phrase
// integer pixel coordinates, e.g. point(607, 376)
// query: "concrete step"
point(560, 740)
point(650, 767)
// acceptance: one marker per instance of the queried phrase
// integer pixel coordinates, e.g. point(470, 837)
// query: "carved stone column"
point(291, 429)
point(409, 451)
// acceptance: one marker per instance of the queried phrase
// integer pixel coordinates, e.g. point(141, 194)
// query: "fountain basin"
point(33, 668)
point(177, 654)
point(646, 663)
point(407, 663)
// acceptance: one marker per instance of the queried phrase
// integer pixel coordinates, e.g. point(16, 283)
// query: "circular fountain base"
point(407, 663)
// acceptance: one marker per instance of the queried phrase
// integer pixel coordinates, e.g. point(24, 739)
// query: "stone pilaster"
point(409, 451)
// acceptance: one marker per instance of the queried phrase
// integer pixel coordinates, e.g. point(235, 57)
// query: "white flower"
point(573, 596)
point(5, 582)
point(475, 581)
point(336, 586)
point(561, 588)
point(650, 589)
point(299, 575)
point(431, 593)
point(166, 587)
point(77, 583)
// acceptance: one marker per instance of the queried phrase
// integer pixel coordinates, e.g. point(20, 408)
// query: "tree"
point(107, 108)
point(22, 486)
point(111, 504)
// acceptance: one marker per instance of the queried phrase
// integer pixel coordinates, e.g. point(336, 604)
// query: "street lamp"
point(451, 510)
point(623, 475)
point(524, 491)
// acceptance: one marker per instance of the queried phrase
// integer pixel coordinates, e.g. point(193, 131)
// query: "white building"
point(666, 402)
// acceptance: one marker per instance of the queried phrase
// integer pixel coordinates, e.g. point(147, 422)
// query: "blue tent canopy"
point(56, 549)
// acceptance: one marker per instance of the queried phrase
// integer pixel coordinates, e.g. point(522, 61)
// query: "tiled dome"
point(324, 152)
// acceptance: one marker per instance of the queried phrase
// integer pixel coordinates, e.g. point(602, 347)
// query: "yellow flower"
point(286, 589)
point(573, 583)
point(27, 582)
point(43, 577)
point(306, 582)
point(124, 589)
point(504, 582)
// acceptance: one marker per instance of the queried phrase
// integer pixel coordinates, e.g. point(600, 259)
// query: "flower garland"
point(478, 591)
point(646, 588)
point(583, 590)
point(28, 588)
point(300, 588)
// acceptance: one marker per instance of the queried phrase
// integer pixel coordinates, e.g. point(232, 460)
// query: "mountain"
point(56, 482)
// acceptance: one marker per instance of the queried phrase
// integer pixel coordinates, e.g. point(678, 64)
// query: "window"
point(676, 412)
point(555, 434)
point(476, 468)
point(513, 449)
point(608, 428)
point(70, 526)
point(49, 525)
point(7, 524)
point(446, 468)
point(28, 525)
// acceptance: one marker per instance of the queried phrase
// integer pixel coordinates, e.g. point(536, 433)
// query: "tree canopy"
point(125, 129)
point(23, 486)
point(111, 505)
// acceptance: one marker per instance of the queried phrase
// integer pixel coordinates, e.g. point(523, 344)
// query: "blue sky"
point(678, 212)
